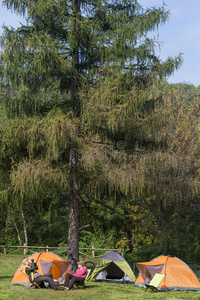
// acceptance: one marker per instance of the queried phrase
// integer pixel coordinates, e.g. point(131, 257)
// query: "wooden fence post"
point(92, 251)
point(25, 249)
point(4, 251)
point(47, 248)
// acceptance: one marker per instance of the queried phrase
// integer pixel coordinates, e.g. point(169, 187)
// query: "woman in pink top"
point(78, 276)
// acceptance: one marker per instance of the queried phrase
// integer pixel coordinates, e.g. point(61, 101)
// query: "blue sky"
point(179, 34)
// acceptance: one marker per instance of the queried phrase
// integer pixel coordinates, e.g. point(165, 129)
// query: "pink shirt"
point(81, 272)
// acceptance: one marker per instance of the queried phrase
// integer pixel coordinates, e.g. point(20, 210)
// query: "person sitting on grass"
point(30, 267)
point(78, 277)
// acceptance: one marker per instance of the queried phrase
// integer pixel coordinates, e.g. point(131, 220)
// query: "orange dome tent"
point(47, 262)
point(178, 275)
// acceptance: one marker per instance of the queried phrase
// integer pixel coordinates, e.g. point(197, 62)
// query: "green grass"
point(94, 290)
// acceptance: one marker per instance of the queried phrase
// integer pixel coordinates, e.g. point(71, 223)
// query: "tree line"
point(96, 147)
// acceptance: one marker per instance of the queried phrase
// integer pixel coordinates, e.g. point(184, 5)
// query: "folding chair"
point(155, 282)
point(34, 284)
point(82, 284)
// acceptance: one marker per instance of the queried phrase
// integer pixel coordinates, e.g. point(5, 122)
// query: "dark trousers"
point(72, 279)
point(48, 278)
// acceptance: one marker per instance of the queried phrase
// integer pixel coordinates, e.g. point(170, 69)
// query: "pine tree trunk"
point(73, 242)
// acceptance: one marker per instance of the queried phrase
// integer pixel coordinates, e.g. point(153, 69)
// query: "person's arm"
point(32, 268)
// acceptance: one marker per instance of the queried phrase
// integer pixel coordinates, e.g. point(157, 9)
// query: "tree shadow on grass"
point(86, 287)
point(6, 277)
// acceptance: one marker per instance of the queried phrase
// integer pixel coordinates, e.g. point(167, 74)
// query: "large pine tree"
point(74, 47)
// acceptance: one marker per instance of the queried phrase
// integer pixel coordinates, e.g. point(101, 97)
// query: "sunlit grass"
point(94, 290)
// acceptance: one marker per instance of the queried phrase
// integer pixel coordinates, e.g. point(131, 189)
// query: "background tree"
point(158, 163)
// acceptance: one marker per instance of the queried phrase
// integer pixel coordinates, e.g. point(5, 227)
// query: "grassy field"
point(107, 291)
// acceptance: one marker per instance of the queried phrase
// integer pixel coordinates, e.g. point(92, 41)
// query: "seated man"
point(29, 267)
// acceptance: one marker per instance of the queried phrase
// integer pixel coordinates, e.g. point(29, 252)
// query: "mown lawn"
point(107, 291)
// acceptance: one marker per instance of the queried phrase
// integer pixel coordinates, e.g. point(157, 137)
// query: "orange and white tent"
point(178, 275)
point(47, 262)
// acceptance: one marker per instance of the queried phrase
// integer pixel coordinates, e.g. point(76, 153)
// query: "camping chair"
point(34, 284)
point(154, 283)
point(81, 285)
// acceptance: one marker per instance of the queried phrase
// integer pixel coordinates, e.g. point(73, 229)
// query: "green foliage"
point(102, 241)
point(184, 239)
point(187, 91)
point(10, 234)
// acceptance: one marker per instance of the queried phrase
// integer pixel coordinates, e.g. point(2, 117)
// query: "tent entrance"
point(114, 272)
point(148, 271)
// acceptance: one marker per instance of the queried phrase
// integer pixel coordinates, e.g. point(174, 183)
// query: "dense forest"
point(96, 147)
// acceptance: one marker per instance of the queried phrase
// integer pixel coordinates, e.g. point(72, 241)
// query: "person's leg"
point(67, 279)
point(75, 279)
point(48, 278)
point(48, 275)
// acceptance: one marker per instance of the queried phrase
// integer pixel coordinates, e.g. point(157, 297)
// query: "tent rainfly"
point(114, 268)
point(178, 275)
point(47, 262)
